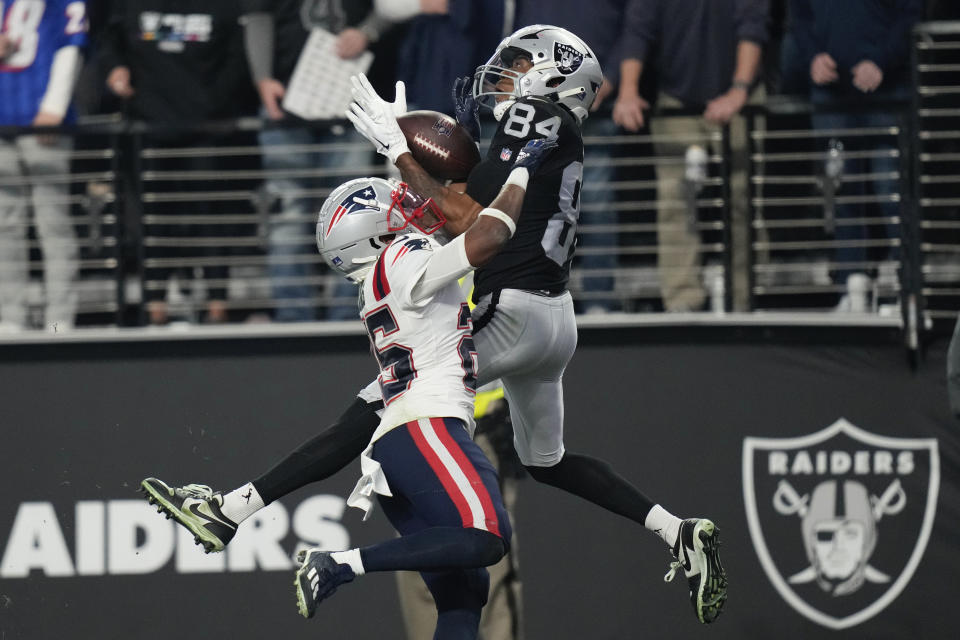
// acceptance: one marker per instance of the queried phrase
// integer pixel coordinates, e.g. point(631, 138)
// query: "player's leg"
point(460, 596)
point(536, 407)
point(446, 504)
point(213, 518)
point(543, 330)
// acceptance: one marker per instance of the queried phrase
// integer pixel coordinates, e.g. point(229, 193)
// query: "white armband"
point(519, 177)
point(502, 217)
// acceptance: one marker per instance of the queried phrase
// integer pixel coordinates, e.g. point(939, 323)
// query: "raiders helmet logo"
point(566, 57)
point(840, 518)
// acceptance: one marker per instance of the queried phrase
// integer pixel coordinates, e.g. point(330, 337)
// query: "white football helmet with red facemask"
point(360, 217)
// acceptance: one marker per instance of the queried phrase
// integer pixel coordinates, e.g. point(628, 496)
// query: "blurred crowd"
point(676, 69)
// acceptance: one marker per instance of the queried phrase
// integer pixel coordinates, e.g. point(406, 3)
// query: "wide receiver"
point(540, 82)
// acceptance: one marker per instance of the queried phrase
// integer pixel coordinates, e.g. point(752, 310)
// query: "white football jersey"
point(428, 362)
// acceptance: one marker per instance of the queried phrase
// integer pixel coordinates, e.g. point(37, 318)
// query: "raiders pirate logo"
point(567, 58)
point(840, 518)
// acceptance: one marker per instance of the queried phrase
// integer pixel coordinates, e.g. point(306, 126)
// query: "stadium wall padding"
point(831, 469)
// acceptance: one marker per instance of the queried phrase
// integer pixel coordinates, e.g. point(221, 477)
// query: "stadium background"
point(671, 399)
point(670, 405)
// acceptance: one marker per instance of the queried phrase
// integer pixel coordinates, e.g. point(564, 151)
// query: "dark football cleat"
point(697, 552)
point(317, 579)
point(197, 508)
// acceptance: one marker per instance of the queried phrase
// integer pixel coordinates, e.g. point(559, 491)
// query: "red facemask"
point(425, 215)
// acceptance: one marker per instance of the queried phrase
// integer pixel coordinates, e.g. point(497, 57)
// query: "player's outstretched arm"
point(497, 223)
point(376, 120)
point(492, 228)
point(458, 208)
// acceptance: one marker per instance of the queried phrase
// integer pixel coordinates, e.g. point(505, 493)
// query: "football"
point(442, 147)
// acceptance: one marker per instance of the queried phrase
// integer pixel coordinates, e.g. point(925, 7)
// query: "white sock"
point(240, 504)
point(350, 557)
point(664, 524)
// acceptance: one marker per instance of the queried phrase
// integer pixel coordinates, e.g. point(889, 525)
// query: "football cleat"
point(317, 579)
point(196, 507)
point(697, 553)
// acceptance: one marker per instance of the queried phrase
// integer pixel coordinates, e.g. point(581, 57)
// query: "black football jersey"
point(539, 253)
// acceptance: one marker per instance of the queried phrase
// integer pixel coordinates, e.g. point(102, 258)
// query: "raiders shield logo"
point(567, 58)
point(840, 518)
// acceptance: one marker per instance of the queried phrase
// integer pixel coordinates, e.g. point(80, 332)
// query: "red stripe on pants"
point(449, 485)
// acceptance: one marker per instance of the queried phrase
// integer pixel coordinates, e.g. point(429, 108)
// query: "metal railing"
point(59, 194)
point(826, 210)
point(216, 222)
point(936, 176)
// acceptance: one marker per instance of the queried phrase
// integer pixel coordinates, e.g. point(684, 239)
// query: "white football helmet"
point(564, 69)
point(359, 218)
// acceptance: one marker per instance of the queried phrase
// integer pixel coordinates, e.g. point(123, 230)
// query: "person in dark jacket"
point(178, 63)
point(858, 53)
point(444, 40)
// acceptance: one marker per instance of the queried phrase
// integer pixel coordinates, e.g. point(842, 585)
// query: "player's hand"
point(351, 43)
point(867, 76)
point(45, 119)
point(628, 111)
point(118, 81)
point(376, 119)
point(271, 93)
point(721, 109)
point(823, 69)
point(465, 106)
point(534, 153)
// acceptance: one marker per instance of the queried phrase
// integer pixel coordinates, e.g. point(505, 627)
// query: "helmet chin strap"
point(357, 275)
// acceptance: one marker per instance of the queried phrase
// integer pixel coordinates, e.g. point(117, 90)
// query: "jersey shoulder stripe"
point(381, 286)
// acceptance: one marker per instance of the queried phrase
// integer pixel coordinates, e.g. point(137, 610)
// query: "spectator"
point(178, 63)
point(276, 32)
point(600, 27)
point(858, 53)
point(444, 40)
point(37, 76)
point(708, 56)
point(784, 69)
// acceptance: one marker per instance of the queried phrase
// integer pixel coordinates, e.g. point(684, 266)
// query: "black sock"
point(435, 549)
point(596, 481)
point(324, 454)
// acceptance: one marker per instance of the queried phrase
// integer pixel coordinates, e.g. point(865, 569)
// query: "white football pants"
point(527, 343)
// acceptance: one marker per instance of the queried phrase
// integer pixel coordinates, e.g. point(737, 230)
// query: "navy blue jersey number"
point(467, 350)
point(396, 360)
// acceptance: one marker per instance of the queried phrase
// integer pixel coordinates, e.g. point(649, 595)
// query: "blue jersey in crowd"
point(37, 29)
